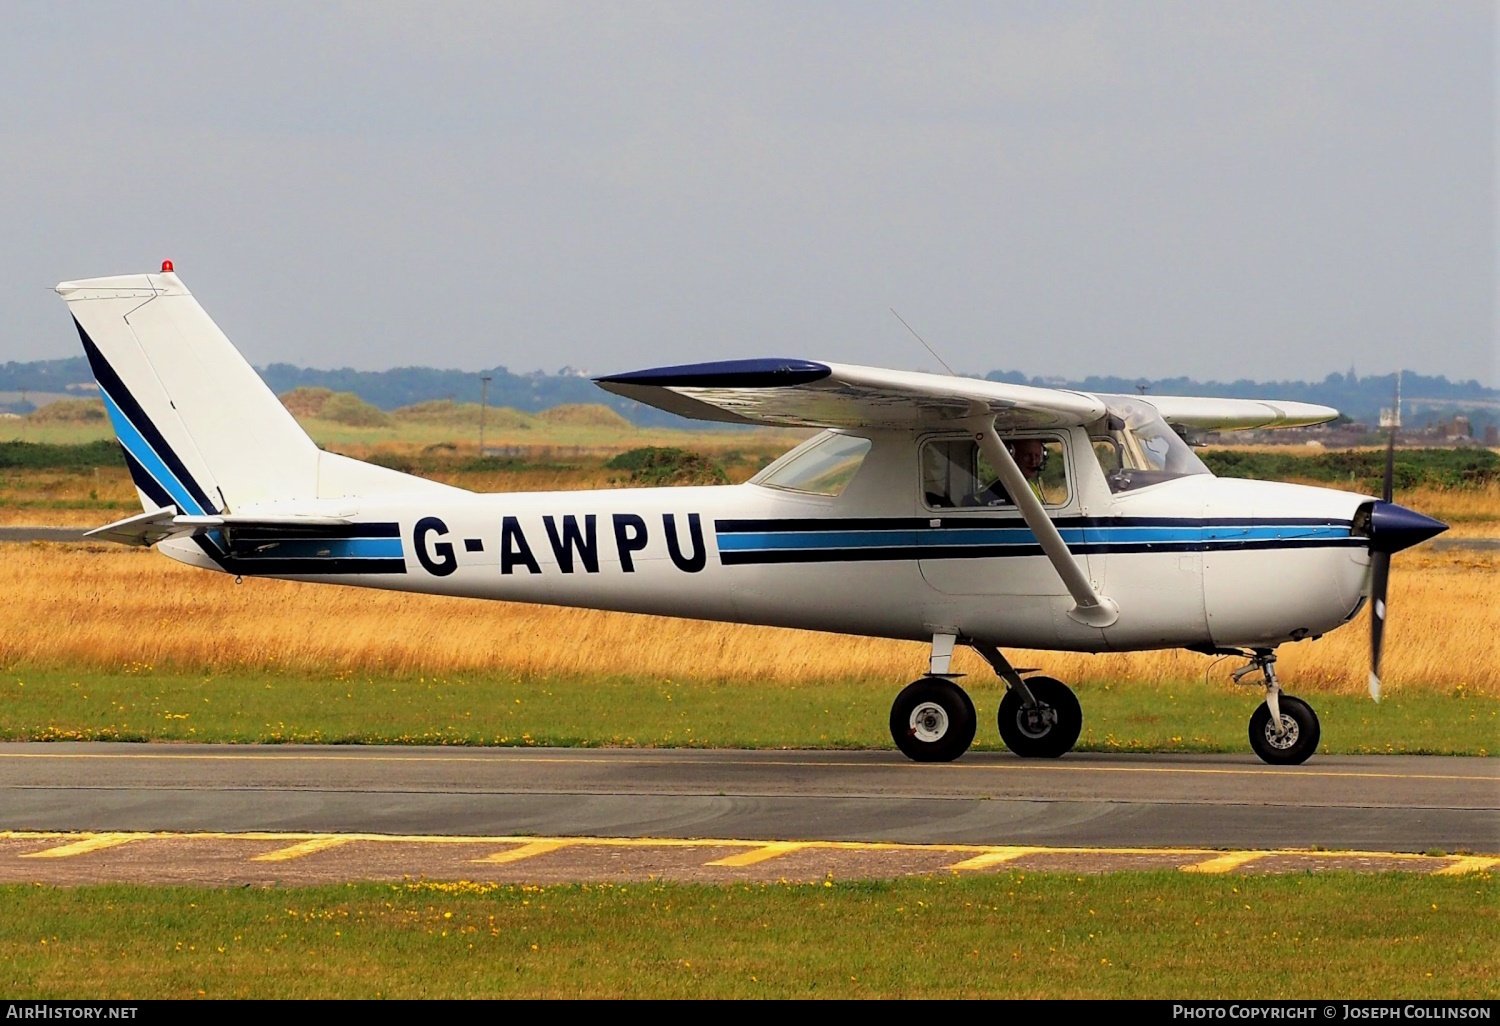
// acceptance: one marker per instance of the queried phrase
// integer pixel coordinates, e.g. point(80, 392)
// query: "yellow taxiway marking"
point(1225, 863)
point(758, 855)
point(307, 847)
point(525, 851)
point(997, 857)
point(1468, 864)
point(978, 855)
point(98, 842)
point(1008, 766)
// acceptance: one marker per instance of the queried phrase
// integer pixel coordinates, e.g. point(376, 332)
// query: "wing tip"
point(755, 373)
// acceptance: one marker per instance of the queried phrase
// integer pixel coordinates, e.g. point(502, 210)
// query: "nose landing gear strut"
point(1284, 731)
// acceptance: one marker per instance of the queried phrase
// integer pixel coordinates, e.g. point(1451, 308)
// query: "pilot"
point(1030, 455)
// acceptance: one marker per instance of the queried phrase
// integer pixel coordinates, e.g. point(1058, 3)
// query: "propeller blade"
point(1381, 566)
point(1390, 466)
point(1381, 561)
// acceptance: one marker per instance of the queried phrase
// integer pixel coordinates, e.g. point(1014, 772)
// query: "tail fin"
point(200, 430)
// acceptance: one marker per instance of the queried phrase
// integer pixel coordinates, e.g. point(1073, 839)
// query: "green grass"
point(1333, 935)
point(633, 711)
point(1433, 468)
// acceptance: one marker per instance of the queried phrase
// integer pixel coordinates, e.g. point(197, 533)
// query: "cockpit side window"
point(957, 475)
point(824, 467)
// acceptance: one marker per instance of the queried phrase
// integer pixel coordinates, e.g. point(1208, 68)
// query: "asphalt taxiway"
point(1369, 803)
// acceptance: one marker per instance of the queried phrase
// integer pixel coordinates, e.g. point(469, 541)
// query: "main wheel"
point(1047, 730)
point(932, 720)
point(1299, 736)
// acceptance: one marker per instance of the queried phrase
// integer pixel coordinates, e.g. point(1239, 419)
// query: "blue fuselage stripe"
point(1189, 533)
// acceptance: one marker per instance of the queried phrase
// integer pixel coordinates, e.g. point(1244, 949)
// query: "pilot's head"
point(1030, 455)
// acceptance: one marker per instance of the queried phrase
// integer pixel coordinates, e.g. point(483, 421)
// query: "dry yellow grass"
point(107, 608)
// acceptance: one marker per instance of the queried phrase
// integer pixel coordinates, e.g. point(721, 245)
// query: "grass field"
point(105, 607)
point(590, 429)
point(115, 643)
point(625, 710)
point(1140, 935)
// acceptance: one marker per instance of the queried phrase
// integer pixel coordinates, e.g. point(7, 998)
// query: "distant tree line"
point(1359, 398)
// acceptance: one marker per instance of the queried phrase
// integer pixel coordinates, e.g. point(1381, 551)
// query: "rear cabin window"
point(824, 468)
point(957, 475)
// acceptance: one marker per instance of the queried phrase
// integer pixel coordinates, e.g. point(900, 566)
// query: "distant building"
point(1492, 435)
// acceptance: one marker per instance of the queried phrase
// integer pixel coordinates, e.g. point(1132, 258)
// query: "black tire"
point(933, 720)
point(1297, 744)
point(1046, 732)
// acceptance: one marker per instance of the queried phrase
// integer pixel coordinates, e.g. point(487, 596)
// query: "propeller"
point(1380, 560)
point(1390, 529)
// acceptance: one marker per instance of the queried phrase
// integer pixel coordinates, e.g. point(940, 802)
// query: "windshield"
point(1137, 448)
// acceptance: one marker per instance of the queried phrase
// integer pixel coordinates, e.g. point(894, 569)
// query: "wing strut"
point(1091, 608)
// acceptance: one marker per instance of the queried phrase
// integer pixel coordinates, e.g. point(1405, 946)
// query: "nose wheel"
point(1297, 739)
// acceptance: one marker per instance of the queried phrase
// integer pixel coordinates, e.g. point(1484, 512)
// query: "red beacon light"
point(166, 267)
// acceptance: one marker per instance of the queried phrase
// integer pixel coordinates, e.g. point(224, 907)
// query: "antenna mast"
point(922, 340)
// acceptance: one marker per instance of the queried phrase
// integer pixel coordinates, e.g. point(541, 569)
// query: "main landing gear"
point(933, 720)
point(1284, 731)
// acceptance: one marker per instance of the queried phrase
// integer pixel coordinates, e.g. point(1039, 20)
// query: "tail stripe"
point(140, 437)
point(146, 483)
point(145, 457)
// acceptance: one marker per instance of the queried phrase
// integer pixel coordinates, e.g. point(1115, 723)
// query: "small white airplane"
point(941, 509)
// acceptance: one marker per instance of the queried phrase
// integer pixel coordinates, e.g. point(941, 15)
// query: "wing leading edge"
point(804, 393)
point(807, 393)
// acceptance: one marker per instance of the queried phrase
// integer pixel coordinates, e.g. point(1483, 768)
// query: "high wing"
point(1234, 414)
point(803, 393)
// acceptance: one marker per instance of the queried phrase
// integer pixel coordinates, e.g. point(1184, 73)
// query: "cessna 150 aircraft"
point(910, 517)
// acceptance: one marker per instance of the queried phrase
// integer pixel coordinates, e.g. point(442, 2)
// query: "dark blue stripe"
point(312, 567)
point(145, 482)
point(763, 373)
point(317, 548)
point(933, 552)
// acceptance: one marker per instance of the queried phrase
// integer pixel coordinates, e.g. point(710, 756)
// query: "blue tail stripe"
point(143, 454)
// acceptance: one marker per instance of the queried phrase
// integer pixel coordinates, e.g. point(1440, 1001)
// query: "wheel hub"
point(1036, 721)
point(929, 722)
point(1288, 736)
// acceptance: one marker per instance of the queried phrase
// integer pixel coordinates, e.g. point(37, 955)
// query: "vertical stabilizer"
point(200, 429)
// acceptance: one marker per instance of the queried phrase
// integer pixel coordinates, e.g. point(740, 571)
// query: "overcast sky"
point(1255, 189)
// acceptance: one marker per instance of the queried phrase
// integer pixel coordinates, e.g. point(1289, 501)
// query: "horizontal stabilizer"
point(160, 524)
point(146, 528)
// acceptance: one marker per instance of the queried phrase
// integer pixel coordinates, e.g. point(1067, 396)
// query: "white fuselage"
point(1197, 562)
